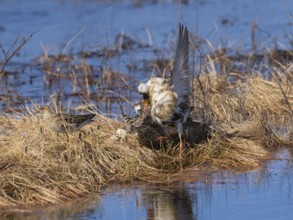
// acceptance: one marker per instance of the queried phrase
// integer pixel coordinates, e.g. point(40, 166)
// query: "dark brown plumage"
point(62, 122)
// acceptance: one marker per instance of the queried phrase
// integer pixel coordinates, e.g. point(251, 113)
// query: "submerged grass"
point(245, 119)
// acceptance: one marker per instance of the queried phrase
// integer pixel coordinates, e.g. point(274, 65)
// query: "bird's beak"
point(146, 105)
point(146, 102)
point(146, 108)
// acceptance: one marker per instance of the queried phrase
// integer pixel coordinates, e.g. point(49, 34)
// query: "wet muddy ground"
point(96, 52)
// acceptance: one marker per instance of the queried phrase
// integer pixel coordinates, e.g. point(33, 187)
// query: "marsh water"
point(82, 32)
point(78, 46)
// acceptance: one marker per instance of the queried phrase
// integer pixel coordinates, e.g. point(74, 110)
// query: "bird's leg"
point(180, 130)
point(180, 150)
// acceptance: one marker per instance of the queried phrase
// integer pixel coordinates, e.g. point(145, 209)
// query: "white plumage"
point(169, 99)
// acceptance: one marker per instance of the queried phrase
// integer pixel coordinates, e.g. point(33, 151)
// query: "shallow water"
point(265, 193)
point(69, 27)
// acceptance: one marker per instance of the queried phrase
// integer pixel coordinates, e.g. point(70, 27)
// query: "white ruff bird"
point(169, 99)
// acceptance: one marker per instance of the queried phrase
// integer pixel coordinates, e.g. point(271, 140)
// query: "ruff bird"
point(62, 122)
point(139, 120)
point(169, 99)
point(148, 133)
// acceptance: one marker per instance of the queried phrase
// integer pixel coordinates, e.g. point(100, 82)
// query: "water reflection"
point(262, 193)
point(165, 205)
point(73, 210)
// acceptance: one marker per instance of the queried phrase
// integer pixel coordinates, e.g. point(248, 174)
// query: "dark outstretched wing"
point(181, 75)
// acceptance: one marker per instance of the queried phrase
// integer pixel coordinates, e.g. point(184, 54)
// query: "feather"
point(180, 76)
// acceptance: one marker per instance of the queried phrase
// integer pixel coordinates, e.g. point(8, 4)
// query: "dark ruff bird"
point(62, 122)
point(169, 99)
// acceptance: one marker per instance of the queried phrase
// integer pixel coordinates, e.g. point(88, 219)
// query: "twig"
point(8, 55)
point(71, 40)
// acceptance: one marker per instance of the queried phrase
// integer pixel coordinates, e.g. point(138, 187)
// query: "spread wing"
point(181, 75)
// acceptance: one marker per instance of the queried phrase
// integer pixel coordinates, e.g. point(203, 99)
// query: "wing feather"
point(181, 76)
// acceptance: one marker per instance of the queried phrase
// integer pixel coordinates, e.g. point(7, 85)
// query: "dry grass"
point(38, 166)
point(246, 118)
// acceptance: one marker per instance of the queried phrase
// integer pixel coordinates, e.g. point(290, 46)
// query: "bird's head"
point(138, 106)
point(44, 112)
point(142, 106)
point(143, 88)
point(146, 102)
